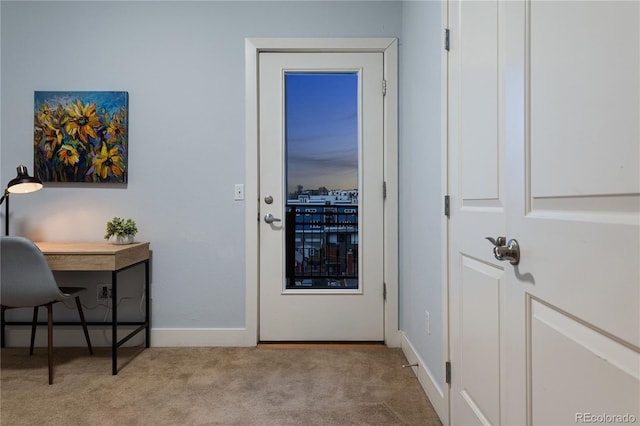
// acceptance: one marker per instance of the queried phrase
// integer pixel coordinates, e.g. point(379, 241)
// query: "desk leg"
point(3, 321)
point(114, 323)
point(147, 304)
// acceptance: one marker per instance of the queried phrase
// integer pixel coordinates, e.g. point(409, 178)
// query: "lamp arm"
point(6, 211)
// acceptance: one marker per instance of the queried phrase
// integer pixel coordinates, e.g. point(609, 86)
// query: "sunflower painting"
point(81, 136)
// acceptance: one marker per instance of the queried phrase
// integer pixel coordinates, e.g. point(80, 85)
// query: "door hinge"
point(384, 291)
point(447, 209)
point(384, 87)
point(447, 372)
point(447, 40)
point(384, 190)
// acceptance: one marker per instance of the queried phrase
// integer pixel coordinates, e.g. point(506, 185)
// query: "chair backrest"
point(25, 276)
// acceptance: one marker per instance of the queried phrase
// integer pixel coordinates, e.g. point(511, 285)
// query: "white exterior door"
point(556, 338)
point(306, 293)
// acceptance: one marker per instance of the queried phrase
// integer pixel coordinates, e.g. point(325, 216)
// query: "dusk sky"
point(321, 130)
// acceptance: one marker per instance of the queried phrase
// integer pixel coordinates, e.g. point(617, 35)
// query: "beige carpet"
point(213, 386)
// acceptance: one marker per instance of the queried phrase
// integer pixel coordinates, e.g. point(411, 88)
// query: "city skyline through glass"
point(321, 153)
point(321, 131)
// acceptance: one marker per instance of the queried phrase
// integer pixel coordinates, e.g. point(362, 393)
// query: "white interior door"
point(476, 187)
point(572, 95)
point(551, 161)
point(321, 265)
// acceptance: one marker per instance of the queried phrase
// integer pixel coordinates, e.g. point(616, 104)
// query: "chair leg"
point(3, 308)
point(50, 339)
point(34, 324)
point(84, 324)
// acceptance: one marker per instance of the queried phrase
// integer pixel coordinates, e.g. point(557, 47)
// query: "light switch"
point(238, 193)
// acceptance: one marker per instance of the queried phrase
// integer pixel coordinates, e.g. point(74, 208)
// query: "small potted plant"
point(122, 230)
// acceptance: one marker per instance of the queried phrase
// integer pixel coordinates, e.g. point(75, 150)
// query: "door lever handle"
point(268, 218)
point(500, 241)
point(503, 250)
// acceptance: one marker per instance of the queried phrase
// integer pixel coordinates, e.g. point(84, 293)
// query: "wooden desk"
point(104, 257)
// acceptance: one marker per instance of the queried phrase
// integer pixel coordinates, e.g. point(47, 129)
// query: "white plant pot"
point(117, 239)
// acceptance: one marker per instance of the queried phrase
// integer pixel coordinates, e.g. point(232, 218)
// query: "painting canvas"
point(81, 136)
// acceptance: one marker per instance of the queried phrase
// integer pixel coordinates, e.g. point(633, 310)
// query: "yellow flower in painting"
point(44, 114)
point(115, 128)
point(68, 155)
point(48, 150)
point(108, 161)
point(53, 133)
point(81, 121)
point(48, 123)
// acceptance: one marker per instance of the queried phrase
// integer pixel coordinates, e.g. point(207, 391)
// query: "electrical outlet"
point(427, 322)
point(104, 291)
point(238, 192)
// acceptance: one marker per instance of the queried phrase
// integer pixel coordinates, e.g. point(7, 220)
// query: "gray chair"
point(26, 280)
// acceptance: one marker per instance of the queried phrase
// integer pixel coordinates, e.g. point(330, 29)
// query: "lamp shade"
point(23, 183)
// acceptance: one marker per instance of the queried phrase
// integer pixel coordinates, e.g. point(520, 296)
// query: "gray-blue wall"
point(183, 66)
point(421, 182)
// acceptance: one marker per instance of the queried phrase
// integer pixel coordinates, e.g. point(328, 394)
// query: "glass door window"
point(321, 179)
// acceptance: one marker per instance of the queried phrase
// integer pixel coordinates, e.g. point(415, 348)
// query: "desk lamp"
point(21, 184)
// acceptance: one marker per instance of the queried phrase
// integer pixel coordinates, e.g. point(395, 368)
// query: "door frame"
point(389, 48)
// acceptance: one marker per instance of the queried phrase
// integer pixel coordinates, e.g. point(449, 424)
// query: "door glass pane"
point(321, 157)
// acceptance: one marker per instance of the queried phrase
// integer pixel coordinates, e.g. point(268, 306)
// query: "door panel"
point(574, 206)
point(567, 178)
point(320, 312)
point(480, 348)
point(587, 69)
point(477, 89)
point(599, 363)
point(477, 200)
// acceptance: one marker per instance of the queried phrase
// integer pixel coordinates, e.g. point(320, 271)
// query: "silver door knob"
point(270, 219)
point(506, 250)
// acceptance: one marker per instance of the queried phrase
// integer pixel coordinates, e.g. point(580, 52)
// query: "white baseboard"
point(434, 392)
point(172, 337)
point(71, 336)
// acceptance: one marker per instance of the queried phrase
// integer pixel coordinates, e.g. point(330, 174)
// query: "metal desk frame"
point(101, 257)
